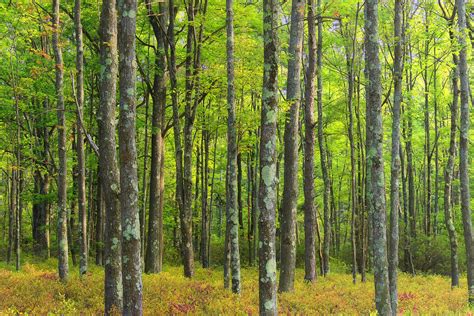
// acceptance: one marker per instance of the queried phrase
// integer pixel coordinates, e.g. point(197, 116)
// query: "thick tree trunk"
point(232, 207)
point(375, 164)
point(131, 245)
point(290, 185)
point(63, 266)
point(463, 147)
point(108, 168)
point(81, 176)
point(154, 261)
point(268, 164)
point(309, 139)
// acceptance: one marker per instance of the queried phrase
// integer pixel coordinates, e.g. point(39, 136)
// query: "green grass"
point(36, 290)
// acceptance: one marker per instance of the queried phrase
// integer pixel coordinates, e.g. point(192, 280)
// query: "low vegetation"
point(36, 290)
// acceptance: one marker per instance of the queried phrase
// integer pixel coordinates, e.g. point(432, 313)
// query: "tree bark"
point(322, 149)
point(63, 266)
point(131, 245)
point(232, 207)
point(395, 162)
point(309, 139)
point(81, 177)
point(290, 185)
point(448, 180)
point(268, 164)
point(108, 167)
point(463, 147)
point(154, 261)
point(375, 164)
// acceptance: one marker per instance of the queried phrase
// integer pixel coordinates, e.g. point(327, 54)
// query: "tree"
point(375, 172)
point(81, 177)
point(268, 165)
point(131, 244)
point(322, 147)
point(463, 148)
point(395, 163)
point(63, 266)
point(231, 187)
point(153, 260)
point(308, 178)
point(108, 168)
point(290, 185)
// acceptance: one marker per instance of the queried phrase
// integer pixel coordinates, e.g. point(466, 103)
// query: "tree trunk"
point(395, 162)
point(204, 199)
point(290, 185)
point(63, 266)
point(131, 245)
point(308, 179)
point(108, 169)
point(427, 171)
point(154, 261)
point(463, 147)
point(350, 56)
point(268, 165)
point(232, 205)
point(176, 123)
point(448, 180)
point(186, 213)
point(81, 177)
point(12, 215)
point(322, 149)
point(375, 164)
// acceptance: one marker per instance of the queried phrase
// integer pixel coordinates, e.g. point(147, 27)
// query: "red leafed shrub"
point(177, 308)
point(406, 296)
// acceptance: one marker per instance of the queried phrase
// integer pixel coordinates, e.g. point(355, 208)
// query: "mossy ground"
point(36, 290)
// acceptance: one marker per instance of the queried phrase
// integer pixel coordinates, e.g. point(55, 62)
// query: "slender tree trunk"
point(427, 176)
point(448, 180)
point(12, 215)
point(63, 266)
point(375, 165)
point(463, 147)
point(268, 165)
point(131, 245)
point(108, 168)
point(99, 227)
point(186, 213)
point(436, 146)
point(395, 162)
point(290, 185)
point(322, 149)
point(204, 200)
point(308, 179)
point(187, 240)
point(81, 177)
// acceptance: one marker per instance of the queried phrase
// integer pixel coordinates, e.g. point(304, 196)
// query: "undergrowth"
point(37, 290)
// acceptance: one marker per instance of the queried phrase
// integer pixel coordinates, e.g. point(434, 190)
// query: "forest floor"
point(36, 290)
